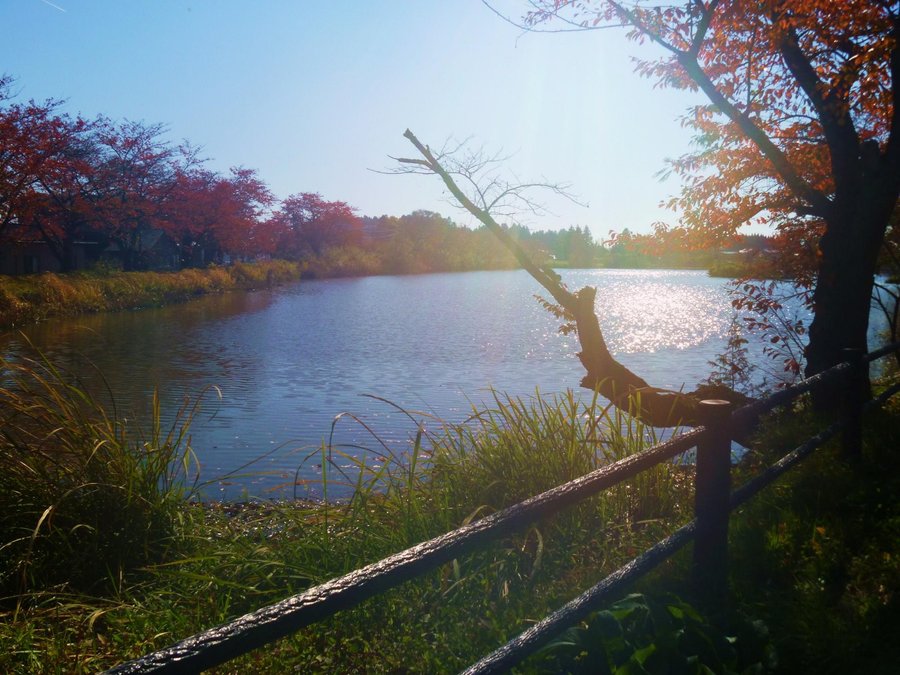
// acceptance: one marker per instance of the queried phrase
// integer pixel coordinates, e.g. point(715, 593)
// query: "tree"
point(801, 129)
point(581, 247)
point(313, 224)
point(133, 182)
point(60, 211)
point(37, 154)
point(210, 215)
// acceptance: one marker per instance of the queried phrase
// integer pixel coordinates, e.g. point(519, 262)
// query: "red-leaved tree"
point(133, 183)
point(41, 153)
point(211, 215)
point(311, 224)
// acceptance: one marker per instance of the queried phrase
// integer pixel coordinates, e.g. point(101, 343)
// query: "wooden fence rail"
point(709, 531)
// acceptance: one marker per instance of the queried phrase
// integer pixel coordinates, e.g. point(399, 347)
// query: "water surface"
point(287, 361)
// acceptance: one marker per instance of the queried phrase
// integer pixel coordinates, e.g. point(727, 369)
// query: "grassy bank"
point(26, 299)
point(745, 269)
point(83, 590)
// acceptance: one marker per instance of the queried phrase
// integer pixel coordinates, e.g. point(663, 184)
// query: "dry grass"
point(28, 299)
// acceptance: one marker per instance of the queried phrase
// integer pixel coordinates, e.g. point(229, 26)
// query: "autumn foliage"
point(120, 185)
point(306, 223)
point(799, 131)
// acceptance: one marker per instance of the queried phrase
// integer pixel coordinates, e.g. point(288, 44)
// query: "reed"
point(507, 451)
point(109, 559)
point(198, 565)
point(85, 497)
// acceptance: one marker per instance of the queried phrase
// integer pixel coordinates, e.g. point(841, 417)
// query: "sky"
point(316, 95)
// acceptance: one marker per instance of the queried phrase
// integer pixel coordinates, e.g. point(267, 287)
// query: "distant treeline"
point(78, 193)
point(424, 241)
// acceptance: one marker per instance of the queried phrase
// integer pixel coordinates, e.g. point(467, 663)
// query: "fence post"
point(851, 439)
point(712, 490)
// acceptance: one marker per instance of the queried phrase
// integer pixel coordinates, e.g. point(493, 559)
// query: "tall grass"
point(84, 496)
point(239, 557)
point(107, 559)
point(454, 473)
point(519, 447)
point(512, 449)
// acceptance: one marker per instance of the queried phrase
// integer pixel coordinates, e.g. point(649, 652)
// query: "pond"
point(276, 367)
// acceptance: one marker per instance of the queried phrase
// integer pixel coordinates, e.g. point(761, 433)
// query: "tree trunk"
point(841, 301)
point(848, 261)
point(67, 262)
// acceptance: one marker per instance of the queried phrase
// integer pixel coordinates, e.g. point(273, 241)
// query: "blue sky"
point(315, 94)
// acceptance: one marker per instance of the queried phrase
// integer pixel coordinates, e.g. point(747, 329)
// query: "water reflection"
point(287, 361)
point(651, 310)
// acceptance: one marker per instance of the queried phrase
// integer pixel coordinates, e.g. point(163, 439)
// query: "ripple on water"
point(654, 310)
point(287, 361)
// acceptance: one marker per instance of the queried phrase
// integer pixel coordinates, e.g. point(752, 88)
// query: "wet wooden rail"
point(714, 501)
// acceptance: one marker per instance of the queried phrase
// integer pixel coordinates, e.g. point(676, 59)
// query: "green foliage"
point(820, 571)
point(424, 241)
point(641, 635)
point(817, 555)
point(732, 368)
point(209, 563)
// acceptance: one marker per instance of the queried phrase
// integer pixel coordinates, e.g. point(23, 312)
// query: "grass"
point(191, 566)
point(107, 558)
point(26, 299)
point(817, 556)
point(86, 498)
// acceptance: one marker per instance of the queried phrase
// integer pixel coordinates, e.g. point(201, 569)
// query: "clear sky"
point(315, 94)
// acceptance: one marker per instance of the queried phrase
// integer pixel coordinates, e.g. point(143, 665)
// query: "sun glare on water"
point(645, 311)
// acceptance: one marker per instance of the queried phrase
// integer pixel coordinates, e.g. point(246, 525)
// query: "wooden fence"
point(714, 500)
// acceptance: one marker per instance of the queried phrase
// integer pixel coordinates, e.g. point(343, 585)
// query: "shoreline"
point(26, 300)
point(30, 299)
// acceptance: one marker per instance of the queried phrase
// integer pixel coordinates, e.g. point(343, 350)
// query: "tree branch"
point(625, 389)
point(834, 115)
point(819, 203)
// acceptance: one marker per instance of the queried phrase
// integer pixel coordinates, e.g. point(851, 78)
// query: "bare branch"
point(573, 26)
point(625, 389)
point(482, 176)
point(406, 160)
